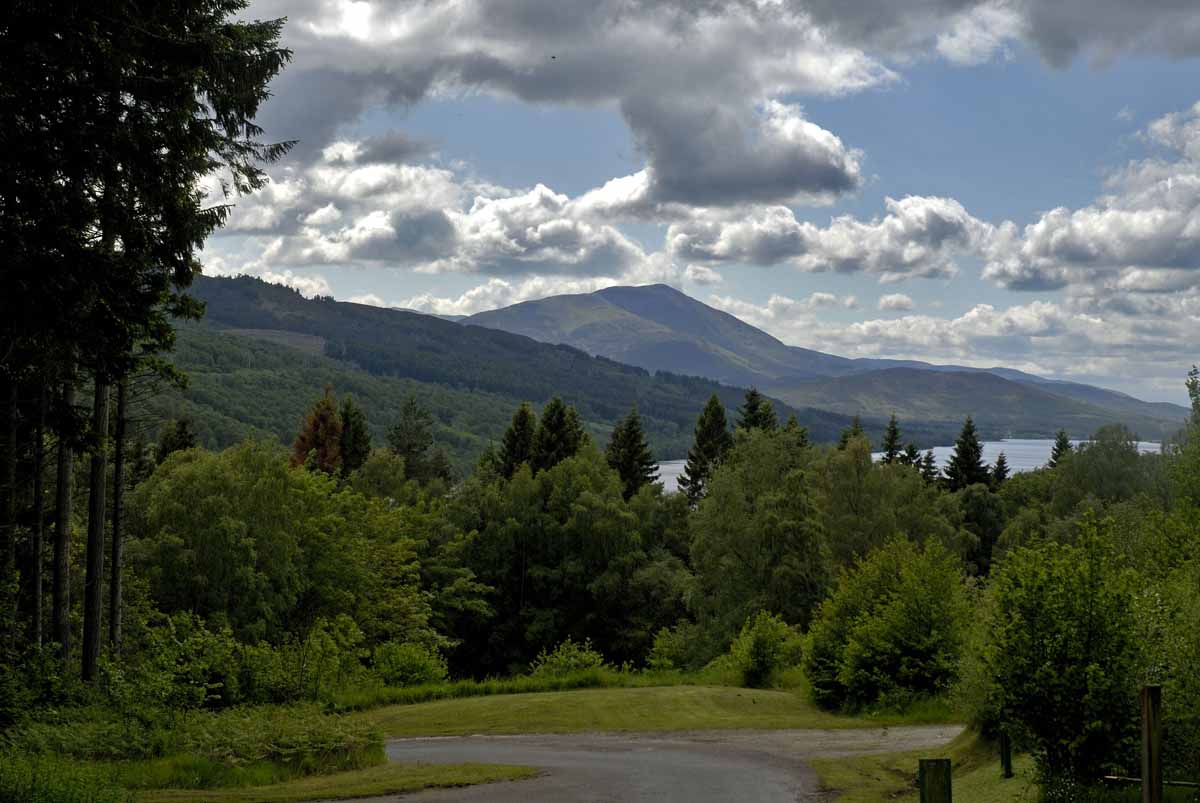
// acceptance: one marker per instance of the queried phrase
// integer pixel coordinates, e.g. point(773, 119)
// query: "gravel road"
point(694, 767)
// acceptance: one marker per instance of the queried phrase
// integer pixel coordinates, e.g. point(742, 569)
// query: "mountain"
point(659, 328)
point(263, 353)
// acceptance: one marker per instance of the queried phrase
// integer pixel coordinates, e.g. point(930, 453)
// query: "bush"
point(567, 658)
point(765, 645)
point(45, 779)
point(893, 630)
point(1062, 656)
point(408, 664)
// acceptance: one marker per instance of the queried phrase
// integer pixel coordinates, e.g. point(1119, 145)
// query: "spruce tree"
point(319, 444)
point(356, 438)
point(891, 441)
point(412, 439)
point(712, 440)
point(1000, 470)
point(559, 435)
point(1062, 448)
point(928, 466)
point(516, 448)
point(175, 437)
point(629, 455)
point(966, 466)
point(757, 412)
point(855, 430)
point(911, 456)
point(793, 427)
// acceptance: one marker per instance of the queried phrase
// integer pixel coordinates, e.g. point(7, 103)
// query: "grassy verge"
point(386, 779)
point(661, 708)
point(977, 778)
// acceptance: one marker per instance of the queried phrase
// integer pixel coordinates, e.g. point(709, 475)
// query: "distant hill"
point(660, 328)
point(263, 353)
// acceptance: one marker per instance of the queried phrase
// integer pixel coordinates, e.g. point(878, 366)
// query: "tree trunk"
point(93, 584)
point(8, 508)
point(62, 530)
point(39, 510)
point(114, 572)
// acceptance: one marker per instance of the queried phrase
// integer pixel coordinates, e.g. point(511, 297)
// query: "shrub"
point(45, 779)
point(1062, 655)
point(408, 664)
point(568, 657)
point(765, 645)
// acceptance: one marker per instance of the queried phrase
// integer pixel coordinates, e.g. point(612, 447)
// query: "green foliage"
point(712, 440)
point(853, 432)
point(757, 412)
point(319, 444)
point(175, 436)
point(765, 645)
point(983, 520)
point(630, 456)
point(892, 631)
point(966, 466)
point(50, 779)
point(516, 447)
point(567, 658)
point(1062, 656)
point(757, 539)
point(892, 450)
point(411, 439)
point(408, 664)
point(356, 437)
point(1000, 471)
point(1061, 449)
point(559, 435)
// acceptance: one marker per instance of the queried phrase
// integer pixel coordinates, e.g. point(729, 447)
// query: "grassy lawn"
point(385, 779)
point(665, 708)
point(894, 776)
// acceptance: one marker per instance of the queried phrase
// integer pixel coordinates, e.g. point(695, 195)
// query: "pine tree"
point(712, 440)
point(793, 427)
point(1000, 470)
point(411, 438)
point(929, 468)
point(175, 437)
point(891, 441)
point(1062, 448)
point(319, 444)
point(855, 430)
point(966, 466)
point(629, 455)
point(911, 456)
point(559, 435)
point(356, 438)
point(757, 412)
point(516, 447)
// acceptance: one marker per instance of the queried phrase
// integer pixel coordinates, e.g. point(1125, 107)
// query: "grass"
point(386, 779)
point(660, 708)
point(893, 776)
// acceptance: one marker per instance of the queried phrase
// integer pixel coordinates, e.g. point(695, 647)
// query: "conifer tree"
point(757, 412)
point(855, 430)
point(356, 438)
point(412, 439)
point(891, 441)
point(793, 427)
point(966, 466)
point(712, 440)
point(175, 436)
point(629, 455)
point(516, 447)
point(1062, 448)
point(929, 469)
point(911, 456)
point(559, 435)
point(1000, 470)
point(319, 444)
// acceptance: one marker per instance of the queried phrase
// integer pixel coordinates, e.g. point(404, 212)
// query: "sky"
point(999, 182)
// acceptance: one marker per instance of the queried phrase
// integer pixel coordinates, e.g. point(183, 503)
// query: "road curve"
point(692, 767)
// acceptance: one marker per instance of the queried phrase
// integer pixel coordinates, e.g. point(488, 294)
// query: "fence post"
point(933, 774)
point(1006, 754)
point(1152, 771)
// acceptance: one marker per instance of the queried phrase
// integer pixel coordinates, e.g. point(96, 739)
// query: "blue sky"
point(1043, 166)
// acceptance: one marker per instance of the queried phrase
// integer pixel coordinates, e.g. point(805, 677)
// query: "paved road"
point(698, 767)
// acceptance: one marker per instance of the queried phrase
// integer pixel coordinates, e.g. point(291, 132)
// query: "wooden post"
point(933, 775)
point(1152, 771)
point(1006, 754)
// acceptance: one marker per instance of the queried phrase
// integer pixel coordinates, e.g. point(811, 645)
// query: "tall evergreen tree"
point(1062, 447)
point(855, 430)
point(712, 440)
point(356, 438)
point(516, 448)
point(175, 437)
point(559, 435)
point(412, 439)
point(929, 468)
point(793, 426)
point(629, 455)
point(757, 412)
point(1000, 470)
point(911, 456)
point(891, 441)
point(319, 444)
point(966, 466)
